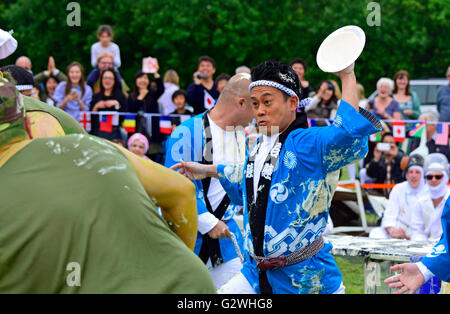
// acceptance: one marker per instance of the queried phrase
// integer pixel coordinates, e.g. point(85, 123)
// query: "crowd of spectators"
point(104, 89)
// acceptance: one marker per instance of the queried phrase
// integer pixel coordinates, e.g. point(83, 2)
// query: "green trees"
point(412, 34)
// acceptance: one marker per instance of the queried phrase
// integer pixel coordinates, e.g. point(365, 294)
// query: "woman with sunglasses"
point(397, 216)
point(426, 219)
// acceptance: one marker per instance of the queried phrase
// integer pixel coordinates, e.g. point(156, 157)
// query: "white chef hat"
point(7, 44)
point(436, 162)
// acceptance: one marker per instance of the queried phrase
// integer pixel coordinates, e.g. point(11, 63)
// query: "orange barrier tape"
point(371, 185)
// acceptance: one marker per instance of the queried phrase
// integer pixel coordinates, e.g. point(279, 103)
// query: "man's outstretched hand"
point(410, 279)
point(220, 231)
point(195, 170)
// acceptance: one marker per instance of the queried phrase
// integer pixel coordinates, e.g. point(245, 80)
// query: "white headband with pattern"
point(290, 92)
point(21, 88)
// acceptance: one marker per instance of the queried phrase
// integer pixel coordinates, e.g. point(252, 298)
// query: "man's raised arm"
point(349, 89)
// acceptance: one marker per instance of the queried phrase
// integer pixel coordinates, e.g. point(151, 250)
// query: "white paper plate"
point(7, 44)
point(341, 48)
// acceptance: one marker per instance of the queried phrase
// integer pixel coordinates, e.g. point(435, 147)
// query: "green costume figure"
point(68, 124)
point(79, 215)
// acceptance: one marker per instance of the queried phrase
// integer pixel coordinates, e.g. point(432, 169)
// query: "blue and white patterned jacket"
point(302, 187)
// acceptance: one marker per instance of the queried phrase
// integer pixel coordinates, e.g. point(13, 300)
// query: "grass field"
point(353, 275)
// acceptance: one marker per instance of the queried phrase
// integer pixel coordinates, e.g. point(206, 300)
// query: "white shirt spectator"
point(399, 209)
point(97, 49)
point(426, 219)
point(166, 98)
point(227, 149)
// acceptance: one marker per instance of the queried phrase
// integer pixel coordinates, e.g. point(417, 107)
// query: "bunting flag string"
point(129, 123)
point(441, 134)
point(85, 121)
point(401, 129)
point(106, 122)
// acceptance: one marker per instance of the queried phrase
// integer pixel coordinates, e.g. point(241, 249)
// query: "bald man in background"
point(215, 137)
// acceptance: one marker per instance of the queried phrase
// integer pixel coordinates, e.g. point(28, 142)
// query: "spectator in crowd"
point(171, 84)
point(144, 99)
point(431, 134)
point(324, 104)
point(443, 100)
point(396, 221)
point(179, 99)
point(408, 100)
point(24, 62)
point(242, 69)
point(110, 98)
point(105, 37)
point(65, 216)
point(361, 96)
point(74, 95)
point(118, 141)
point(383, 105)
point(26, 86)
point(138, 144)
point(299, 66)
point(47, 93)
point(45, 120)
point(337, 90)
point(105, 61)
point(426, 217)
point(385, 166)
point(221, 80)
point(373, 142)
point(48, 80)
point(202, 93)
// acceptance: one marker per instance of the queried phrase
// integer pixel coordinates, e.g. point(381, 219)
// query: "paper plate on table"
point(341, 48)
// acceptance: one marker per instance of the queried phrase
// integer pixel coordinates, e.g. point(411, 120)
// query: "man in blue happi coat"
point(436, 263)
point(287, 183)
point(216, 137)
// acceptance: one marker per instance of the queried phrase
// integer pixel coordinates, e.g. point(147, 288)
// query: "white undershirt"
point(226, 150)
point(260, 158)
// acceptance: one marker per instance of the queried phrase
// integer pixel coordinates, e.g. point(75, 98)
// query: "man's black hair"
point(386, 134)
point(20, 75)
point(277, 71)
point(207, 58)
point(222, 76)
point(298, 60)
point(281, 72)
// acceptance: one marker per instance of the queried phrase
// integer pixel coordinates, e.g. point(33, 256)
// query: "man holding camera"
point(203, 93)
point(385, 165)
